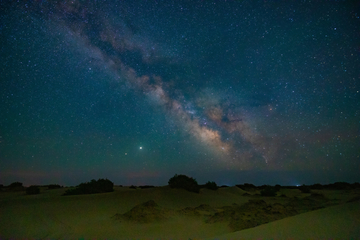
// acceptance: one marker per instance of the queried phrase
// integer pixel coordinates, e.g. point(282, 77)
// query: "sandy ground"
point(164, 213)
point(337, 222)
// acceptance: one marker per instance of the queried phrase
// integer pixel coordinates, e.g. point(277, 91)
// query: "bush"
point(304, 189)
point(15, 185)
point(317, 186)
point(340, 186)
point(32, 190)
point(184, 182)
point(268, 191)
point(54, 186)
point(211, 185)
point(146, 186)
point(99, 186)
point(246, 186)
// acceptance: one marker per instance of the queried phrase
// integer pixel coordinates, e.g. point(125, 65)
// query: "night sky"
point(264, 92)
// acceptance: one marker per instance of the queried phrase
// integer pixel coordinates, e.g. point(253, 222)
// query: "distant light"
point(125, 153)
point(140, 147)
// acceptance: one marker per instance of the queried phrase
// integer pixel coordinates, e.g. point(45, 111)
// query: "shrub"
point(340, 186)
point(184, 182)
point(268, 191)
point(246, 186)
point(32, 190)
point(99, 186)
point(54, 186)
point(132, 187)
point(211, 185)
point(316, 186)
point(146, 186)
point(15, 185)
point(304, 189)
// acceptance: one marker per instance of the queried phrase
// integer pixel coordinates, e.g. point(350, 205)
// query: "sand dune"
point(337, 222)
point(164, 213)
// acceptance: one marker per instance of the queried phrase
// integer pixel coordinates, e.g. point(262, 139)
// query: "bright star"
point(140, 147)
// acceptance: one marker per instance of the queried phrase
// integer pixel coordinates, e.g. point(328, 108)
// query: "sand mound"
point(200, 211)
point(147, 212)
point(309, 203)
point(257, 212)
point(336, 222)
point(251, 214)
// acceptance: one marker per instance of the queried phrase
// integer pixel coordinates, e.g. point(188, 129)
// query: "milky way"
point(108, 41)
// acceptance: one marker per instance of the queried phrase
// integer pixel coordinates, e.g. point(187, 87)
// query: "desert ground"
point(166, 213)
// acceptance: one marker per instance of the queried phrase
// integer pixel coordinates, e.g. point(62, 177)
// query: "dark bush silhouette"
point(317, 186)
point(340, 186)
point(133, 187)
point(211, 185)
point(246, 186)
point(304, 189)
point(184, 182)
point(54, 186)
point(99, 186)
point(32, 190)
point(146, 186)
point(268, 191)
point(15, 185)
point(224, 186)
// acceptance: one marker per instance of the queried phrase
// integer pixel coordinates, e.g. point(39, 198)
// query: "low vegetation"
point(211, 185)
point(269, 191)
point(32, 190)
point(146, 186)
point(184, 182)
point(99, 186)
point(53, 186)
point(304, 189)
